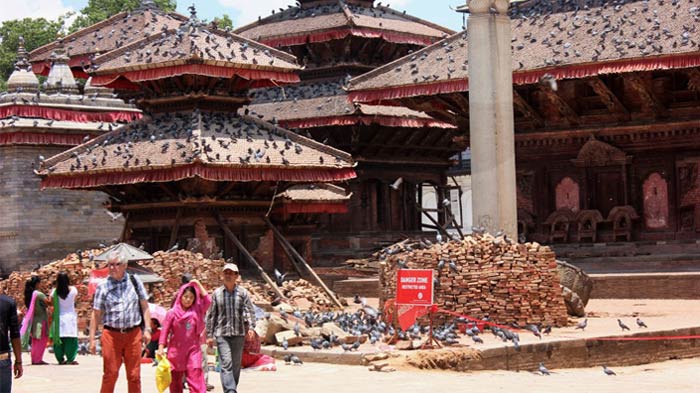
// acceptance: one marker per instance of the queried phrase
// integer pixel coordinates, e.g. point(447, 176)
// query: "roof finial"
point(146, 5)
point(21, 63)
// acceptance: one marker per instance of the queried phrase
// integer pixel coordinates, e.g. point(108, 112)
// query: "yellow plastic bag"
point(163, 376)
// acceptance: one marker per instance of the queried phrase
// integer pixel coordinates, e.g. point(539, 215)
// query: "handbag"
point(138, 301)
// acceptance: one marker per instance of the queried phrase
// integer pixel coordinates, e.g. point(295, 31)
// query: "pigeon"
point(622, 325)
point(114, 216)
point(542, 369)
point(297, 329)
point(608, 371)
point(288, 358)
point(295, 360)
point(641, 323)
point(548, 80)
point(547, 330)
point(285, 344)
point(279, 277)
point(477, 339)
point(357, 299)
point(173, 248)
point(346, 347)
point(535, 330)
point(582, 325)
point(453, 266)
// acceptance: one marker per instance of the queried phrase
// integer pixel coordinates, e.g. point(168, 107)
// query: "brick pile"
point(168, 265)
point(495, 278)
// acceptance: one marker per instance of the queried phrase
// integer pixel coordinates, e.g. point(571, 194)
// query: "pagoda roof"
point(326, 103)
point(217, 146)
point(330, 20)
point(600, 37)
point(105, 36)
point(195, 49)
point(310, 193)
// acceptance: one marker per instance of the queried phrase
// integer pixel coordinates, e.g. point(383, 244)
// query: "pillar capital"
point(501, 6)
point(479, 6)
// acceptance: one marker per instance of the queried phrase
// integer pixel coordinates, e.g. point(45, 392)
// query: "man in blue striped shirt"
point(230, 318)
point(116, 306)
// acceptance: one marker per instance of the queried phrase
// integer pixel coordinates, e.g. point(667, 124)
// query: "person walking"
point(230, 319)
point(9, 332)
point(116, 306)
point(64, 322)
point(182, 329)
point(34, 327)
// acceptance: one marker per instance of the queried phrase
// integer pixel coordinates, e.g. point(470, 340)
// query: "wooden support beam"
point(607, 96)
point(693, 79)
point(167, 190)
point(125, 229)
point(299, 262)
point(562, 106)
point(650, 101)
point(231, 236)
point(528, 111)
point(226, 189)
point(176, 228)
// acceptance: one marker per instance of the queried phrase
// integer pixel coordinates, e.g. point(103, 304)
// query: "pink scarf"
point(196, 311)
point(28, 318)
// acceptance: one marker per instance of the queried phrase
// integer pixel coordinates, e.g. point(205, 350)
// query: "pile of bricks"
point(487, 276)
point(168, 265)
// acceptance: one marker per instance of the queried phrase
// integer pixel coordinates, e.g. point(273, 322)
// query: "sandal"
point(74, 362)
point(41, 363)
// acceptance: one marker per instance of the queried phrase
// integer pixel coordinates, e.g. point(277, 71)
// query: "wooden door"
point(609, 191)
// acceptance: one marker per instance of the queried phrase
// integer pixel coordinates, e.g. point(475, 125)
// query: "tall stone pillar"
point(491, 117)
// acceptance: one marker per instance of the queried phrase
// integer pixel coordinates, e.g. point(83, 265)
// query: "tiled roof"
point(194, 43)
point(297, 104)
point(209, 139)
point(299, 22)
point(322, 192)
point(597, 37)
point(112, 33)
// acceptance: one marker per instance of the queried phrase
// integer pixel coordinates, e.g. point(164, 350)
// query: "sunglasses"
point(114, 265)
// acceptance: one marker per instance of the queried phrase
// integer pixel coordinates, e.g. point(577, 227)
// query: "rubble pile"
point(372, 263)
point(486, 276)
point(170, 266)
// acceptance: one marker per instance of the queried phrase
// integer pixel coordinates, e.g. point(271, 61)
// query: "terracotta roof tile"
point(295, 21)
point(213, 139)
point(112, 33)
point(322, 192)
point(194, 43)
point(598, 37)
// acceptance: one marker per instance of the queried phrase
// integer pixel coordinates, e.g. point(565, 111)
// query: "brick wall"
point(40, 226)
point(646, 286)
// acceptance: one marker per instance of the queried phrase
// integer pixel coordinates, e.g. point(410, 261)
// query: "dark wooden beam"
point(528, 111)
point(562, 106)
point(168, 191)
point(650, 101)
point(607, 96)
point(693, 79)
point(176, 228)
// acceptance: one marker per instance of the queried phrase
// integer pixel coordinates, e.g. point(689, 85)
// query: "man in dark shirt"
point(9, 330)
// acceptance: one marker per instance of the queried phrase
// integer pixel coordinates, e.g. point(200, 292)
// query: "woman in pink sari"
point(181, 332)
point(35, 322)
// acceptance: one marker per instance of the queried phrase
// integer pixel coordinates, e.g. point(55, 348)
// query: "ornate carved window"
point(567, 194)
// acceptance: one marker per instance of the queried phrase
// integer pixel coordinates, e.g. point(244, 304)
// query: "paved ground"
point(672, 376)
point(676, 376)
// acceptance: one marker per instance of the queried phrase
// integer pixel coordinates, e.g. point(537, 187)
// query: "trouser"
point(230, 354)
point(67, 350)
point(195, 381)
point(205, 363)
point(117, 348)
point(39, 345)
point(6, 375)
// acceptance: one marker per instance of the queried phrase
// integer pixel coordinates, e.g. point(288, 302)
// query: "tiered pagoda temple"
point(194, 170)
point(334, 40)
point(607, 106)
point(41, 121)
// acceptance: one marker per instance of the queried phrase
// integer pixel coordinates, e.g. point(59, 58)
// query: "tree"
point(99, 10)
point(224, 22)
point(36, 32)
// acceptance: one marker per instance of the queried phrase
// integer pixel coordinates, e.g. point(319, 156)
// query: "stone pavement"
point(678, 376)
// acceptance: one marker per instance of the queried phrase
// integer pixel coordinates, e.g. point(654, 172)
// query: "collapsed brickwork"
point(484, 275)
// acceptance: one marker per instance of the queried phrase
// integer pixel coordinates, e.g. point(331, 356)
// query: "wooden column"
point(176, 228)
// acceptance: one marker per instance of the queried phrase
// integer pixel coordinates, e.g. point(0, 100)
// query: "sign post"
point(414, 297)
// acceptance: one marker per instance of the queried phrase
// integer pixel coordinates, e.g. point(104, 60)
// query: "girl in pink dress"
point(181, 333)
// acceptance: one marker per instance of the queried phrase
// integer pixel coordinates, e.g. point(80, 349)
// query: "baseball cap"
point(230, 266)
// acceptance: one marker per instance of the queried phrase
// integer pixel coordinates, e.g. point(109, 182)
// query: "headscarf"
point(196, 310)
point(25, 330)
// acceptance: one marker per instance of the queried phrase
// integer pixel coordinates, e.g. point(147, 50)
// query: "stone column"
point(491, 117)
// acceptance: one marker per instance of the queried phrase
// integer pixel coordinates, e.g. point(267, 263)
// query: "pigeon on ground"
point(285, 344)
point(542, 369)
point(608, 371)
point(641, 323)
point(582, 325)
point(295, 360)
point(622, 325)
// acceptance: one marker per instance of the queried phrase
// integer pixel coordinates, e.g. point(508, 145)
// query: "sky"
point(241, 11)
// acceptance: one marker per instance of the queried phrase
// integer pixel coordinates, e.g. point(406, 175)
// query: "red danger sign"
point(414, 287)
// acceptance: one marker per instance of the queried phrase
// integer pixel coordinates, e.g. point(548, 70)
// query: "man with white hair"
point(116, 306)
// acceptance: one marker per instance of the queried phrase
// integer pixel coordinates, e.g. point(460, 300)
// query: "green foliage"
point(99, 10)
point(223, 22)
point(36, 32)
